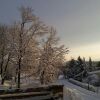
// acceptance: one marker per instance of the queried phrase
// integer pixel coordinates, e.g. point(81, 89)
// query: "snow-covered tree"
point(24, 34)
point(24, 51)
point(76, 69)
point(52, 58)
point(5, 51)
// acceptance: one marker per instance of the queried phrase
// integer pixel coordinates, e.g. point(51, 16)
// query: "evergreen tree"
point(80, 61)
point(76, 69)
point(98, 64)
point(72, 63)
point(90, 64)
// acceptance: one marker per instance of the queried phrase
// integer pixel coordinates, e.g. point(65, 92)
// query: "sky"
point(77, 22)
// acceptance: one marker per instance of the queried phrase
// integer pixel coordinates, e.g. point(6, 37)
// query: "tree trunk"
point(5, 69)
point(42, 78)
point(20, 54)
point(2, 81)
point(2, 61)
point(1, 68)
point(19, 68)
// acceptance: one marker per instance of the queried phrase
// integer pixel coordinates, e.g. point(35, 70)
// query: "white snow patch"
point(71, 94)
point(83, 85)
point(85, 94)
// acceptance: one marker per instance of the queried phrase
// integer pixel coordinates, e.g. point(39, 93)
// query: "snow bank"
point(94, 72)
point(86, 95)
point(61, 77)
point(71, 94)
point(83, 85)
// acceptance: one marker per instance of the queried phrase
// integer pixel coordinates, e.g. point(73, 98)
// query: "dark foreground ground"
point(51, 92)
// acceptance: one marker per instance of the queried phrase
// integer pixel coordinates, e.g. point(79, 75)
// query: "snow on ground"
point(26, 82)
point(83, 85)
point(94, 72)
point(71, 94)
point(78, 92)
point(71, 91)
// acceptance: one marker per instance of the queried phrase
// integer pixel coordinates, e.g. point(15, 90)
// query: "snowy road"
point(85, 94)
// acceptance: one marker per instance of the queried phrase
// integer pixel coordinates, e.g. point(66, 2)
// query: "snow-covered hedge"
point(83, 85)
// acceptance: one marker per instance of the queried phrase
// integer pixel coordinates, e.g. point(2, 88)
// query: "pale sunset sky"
point(76, 21)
